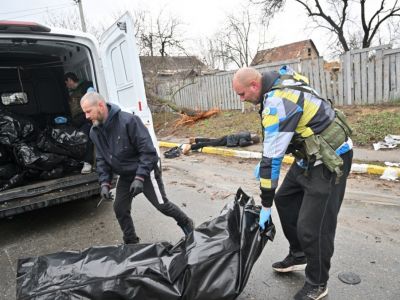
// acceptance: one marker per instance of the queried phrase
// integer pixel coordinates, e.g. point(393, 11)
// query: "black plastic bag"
point(7, 171)
point(14, 181)
point(214, 262)
point(5, 155)
point(71, 164)
point(29, 157)
point(15, 128)
point(64, 140)
point(57, 172)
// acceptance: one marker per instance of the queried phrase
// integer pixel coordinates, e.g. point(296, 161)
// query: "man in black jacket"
point(124, 146)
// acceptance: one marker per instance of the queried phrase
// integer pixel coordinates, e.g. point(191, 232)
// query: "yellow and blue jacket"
point(289, 108)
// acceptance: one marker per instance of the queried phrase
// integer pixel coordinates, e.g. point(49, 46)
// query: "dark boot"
point(187, 227)
point(134, 240)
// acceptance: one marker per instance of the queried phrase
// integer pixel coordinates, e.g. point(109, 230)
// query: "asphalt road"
point(367, 241)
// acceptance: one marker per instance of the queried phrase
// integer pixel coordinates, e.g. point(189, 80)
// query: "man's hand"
point(265, 217)
point(136, 186)
point(105, 192)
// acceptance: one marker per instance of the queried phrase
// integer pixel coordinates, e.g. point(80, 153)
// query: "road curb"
point(355, 168)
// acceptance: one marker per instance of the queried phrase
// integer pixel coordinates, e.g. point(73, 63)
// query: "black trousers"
point(153, 189)
point(205, 142)
point(308, 205)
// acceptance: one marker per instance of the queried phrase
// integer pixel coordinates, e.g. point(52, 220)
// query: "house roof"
point(170, 64)
point(284, 52)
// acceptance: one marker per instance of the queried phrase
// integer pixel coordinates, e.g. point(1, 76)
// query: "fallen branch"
point(186, 120)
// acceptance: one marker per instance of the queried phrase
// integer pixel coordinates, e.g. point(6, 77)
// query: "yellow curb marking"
point(371, 169)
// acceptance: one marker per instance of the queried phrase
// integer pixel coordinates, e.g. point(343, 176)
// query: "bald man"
point(124, 146)
point(295, 119)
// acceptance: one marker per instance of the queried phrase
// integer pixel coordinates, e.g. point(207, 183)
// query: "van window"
point(14, 98)
point(119, 59)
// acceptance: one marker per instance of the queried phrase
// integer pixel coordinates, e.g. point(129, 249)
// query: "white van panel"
point(122, 67)
point(123, 72)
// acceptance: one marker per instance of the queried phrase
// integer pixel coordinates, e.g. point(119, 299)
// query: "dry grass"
point(370, 123)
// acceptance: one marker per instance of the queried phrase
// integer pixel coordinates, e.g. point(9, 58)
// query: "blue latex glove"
point(265, 217)
point(257, 172)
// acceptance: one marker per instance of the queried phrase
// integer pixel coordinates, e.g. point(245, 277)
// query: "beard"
point(99, 120)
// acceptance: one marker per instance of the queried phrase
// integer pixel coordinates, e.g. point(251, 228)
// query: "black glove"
point(136, 186)
point(105, 192)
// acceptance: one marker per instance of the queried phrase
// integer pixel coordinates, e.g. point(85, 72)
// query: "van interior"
point(32, 76)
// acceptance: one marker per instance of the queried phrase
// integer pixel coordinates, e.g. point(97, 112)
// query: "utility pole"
point(83, 24)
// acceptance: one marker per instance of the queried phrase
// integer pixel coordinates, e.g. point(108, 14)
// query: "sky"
point(201, 18)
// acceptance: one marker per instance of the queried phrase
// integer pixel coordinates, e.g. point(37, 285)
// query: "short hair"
point(246, 74)
point(72, 76)
point(93, 98)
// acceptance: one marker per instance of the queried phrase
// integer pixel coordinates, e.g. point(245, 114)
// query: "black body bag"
point(213, 262)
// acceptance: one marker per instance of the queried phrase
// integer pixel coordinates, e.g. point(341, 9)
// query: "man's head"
point(95, 108)
point(247, 84)
point(71, 80)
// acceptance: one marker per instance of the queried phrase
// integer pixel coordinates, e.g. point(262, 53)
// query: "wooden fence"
point(366, 76)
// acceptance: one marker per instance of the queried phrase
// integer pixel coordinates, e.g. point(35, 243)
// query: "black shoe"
point(135, 240)
point(311, 292)
point(290, 263)
point(188, 227)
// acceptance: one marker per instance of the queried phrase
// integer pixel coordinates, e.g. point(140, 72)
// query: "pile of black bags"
point(213, 262)
point(27, 152)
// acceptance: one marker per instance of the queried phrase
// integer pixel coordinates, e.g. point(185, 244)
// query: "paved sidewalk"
point(370, 155)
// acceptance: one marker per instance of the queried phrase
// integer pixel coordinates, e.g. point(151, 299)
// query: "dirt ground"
point(371, 123)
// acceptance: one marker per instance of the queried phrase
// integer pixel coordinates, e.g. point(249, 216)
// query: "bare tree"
point(334, 16)
point(239, 40)
point(213, 52)
point(158, 36)
point(69, 20)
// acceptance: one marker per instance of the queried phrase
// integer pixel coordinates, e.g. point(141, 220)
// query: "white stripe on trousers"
point(156, 188)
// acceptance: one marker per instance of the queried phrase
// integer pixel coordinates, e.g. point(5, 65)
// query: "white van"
point(33, 60)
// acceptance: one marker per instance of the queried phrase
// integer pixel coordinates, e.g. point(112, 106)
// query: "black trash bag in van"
point(29, 157)
point(14, 181)
point(8, 170)
point(5, 155)
point(71, 164)
point(15, 128)
point(64, 140)
point(52, 174)
point(213, 262)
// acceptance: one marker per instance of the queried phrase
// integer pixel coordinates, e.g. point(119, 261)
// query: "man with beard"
point(124, 146)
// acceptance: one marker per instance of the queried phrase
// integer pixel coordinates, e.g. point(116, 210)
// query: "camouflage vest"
point(321, 146)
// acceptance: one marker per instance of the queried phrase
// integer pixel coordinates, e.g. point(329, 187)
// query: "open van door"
point(122, 71)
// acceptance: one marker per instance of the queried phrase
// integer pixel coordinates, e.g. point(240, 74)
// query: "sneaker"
point(290, 263)
point(188, 227)
point(185, 148)
point(311, 292)
point(87, 168)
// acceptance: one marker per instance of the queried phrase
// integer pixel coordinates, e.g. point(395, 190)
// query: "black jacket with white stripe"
point(123, 146)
